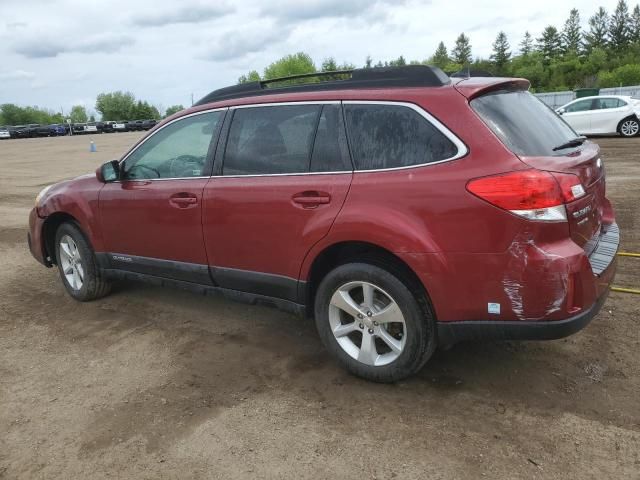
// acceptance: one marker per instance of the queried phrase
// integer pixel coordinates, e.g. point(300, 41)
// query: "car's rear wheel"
point(629, 127)
point(77, 265)
point(374, 323)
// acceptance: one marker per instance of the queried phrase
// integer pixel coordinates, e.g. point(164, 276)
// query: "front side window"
point(581, 106)
point(391, 136)
point(271, 140)
point(178, 150)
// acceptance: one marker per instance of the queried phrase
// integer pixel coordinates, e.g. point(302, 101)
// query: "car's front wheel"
point(629, 127)
point(77, 265)
point(374, 323)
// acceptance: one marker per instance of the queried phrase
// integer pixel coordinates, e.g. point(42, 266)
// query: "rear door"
point(282, 175)
point(152, 218)
point(607, 113)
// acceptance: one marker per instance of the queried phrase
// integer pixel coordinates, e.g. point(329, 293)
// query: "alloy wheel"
point(71, 262)
point(367, 323)
point(630, 128)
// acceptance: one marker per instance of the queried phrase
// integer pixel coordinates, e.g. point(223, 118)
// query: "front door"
point(152, 217)
point(578, 115)
point(283, 178)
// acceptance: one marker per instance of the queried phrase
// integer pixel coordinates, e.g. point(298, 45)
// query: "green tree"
point(78, 114)
point(596, 37)
point(368, 61)
point(634, 24)
point(398, 62)
point(526, 45)
point(252, 76)
point(501, 54)
point(461, 53)
point(173, 109)
point(441, 57)
point(296, 64)
point(619, 27)
point(571, 33)
point(550, 43)
point(116, 105)
point(625, 75)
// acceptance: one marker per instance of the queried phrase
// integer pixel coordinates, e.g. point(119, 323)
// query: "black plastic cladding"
point(408, 76)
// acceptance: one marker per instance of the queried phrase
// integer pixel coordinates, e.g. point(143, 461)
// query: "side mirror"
point(561, 111)
point(108, 172)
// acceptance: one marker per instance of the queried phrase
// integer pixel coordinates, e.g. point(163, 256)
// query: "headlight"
point(41, 194)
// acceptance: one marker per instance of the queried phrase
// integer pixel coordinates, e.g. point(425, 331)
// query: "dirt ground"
point(155, 383)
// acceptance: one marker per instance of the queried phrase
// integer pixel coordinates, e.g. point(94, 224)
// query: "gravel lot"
point(155, 383)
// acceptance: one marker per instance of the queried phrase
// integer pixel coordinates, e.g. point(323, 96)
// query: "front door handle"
point(183, 200)
point(311, 198)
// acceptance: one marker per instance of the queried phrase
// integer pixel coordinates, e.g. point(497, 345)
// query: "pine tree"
point(368, 62)
point(596, 37)
point(571, 34)
point(550, 43)
point(619, 27)
point(441, 56)
point(526, 45)
point(635, 25)
point(461, 53)
point(501, 54)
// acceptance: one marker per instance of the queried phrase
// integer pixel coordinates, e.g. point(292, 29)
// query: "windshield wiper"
point(574, 142)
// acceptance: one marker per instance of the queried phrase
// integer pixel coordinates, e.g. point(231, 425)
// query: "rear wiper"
point(574, 142)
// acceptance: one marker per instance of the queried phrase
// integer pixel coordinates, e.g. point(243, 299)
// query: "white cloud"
point(165, 50)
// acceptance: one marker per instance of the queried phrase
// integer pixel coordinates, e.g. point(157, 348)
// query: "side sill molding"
point(243, 297)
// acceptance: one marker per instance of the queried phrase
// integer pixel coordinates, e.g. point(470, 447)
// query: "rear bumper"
point(454, 332)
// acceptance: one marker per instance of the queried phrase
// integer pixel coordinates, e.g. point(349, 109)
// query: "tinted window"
point(268, 140)
point(178, 150)
point(390, 136)
point(605, 103)
point(330, 152)
point(523, 123)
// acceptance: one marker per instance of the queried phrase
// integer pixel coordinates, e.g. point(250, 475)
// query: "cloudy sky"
point(57, 53)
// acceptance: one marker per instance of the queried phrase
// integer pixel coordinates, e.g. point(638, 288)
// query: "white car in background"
point(605, 114)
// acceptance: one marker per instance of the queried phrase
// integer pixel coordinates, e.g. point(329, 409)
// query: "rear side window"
point(524, 124)
point(605, 103)
point(330, 152)
point(392, 136)
point(270, 140)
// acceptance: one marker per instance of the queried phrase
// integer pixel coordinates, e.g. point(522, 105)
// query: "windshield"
point(525, 125)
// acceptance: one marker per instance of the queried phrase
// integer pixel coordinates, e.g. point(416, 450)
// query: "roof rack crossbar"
point(389, 77)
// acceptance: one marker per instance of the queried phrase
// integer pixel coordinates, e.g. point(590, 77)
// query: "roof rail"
point(407, 76)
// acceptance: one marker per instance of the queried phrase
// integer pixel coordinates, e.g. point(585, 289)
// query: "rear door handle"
point(311, 199)
point(183, 200)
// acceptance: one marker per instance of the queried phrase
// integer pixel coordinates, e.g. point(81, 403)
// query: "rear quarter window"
point(391, 136)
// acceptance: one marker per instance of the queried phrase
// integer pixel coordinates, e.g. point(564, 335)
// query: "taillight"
point(532, 194)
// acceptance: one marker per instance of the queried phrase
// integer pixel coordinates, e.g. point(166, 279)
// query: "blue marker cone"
point(92, 147)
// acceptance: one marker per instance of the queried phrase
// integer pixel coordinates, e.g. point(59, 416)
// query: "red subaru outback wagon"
point(400, 208)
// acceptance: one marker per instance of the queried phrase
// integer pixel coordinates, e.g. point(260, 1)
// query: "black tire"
point(94, 285)
point(629, 127)
point(419, 321)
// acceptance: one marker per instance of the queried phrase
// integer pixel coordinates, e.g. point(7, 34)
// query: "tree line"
point(606, 54)
point(111, 106)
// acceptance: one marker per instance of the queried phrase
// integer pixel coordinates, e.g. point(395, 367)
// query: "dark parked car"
point(107, 127)
point(79, 128)
point(400, 208)
point(135, 125)
point(148, 124)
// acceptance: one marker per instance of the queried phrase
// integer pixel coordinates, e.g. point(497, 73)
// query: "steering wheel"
point(184, 164)
point(142, 166)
